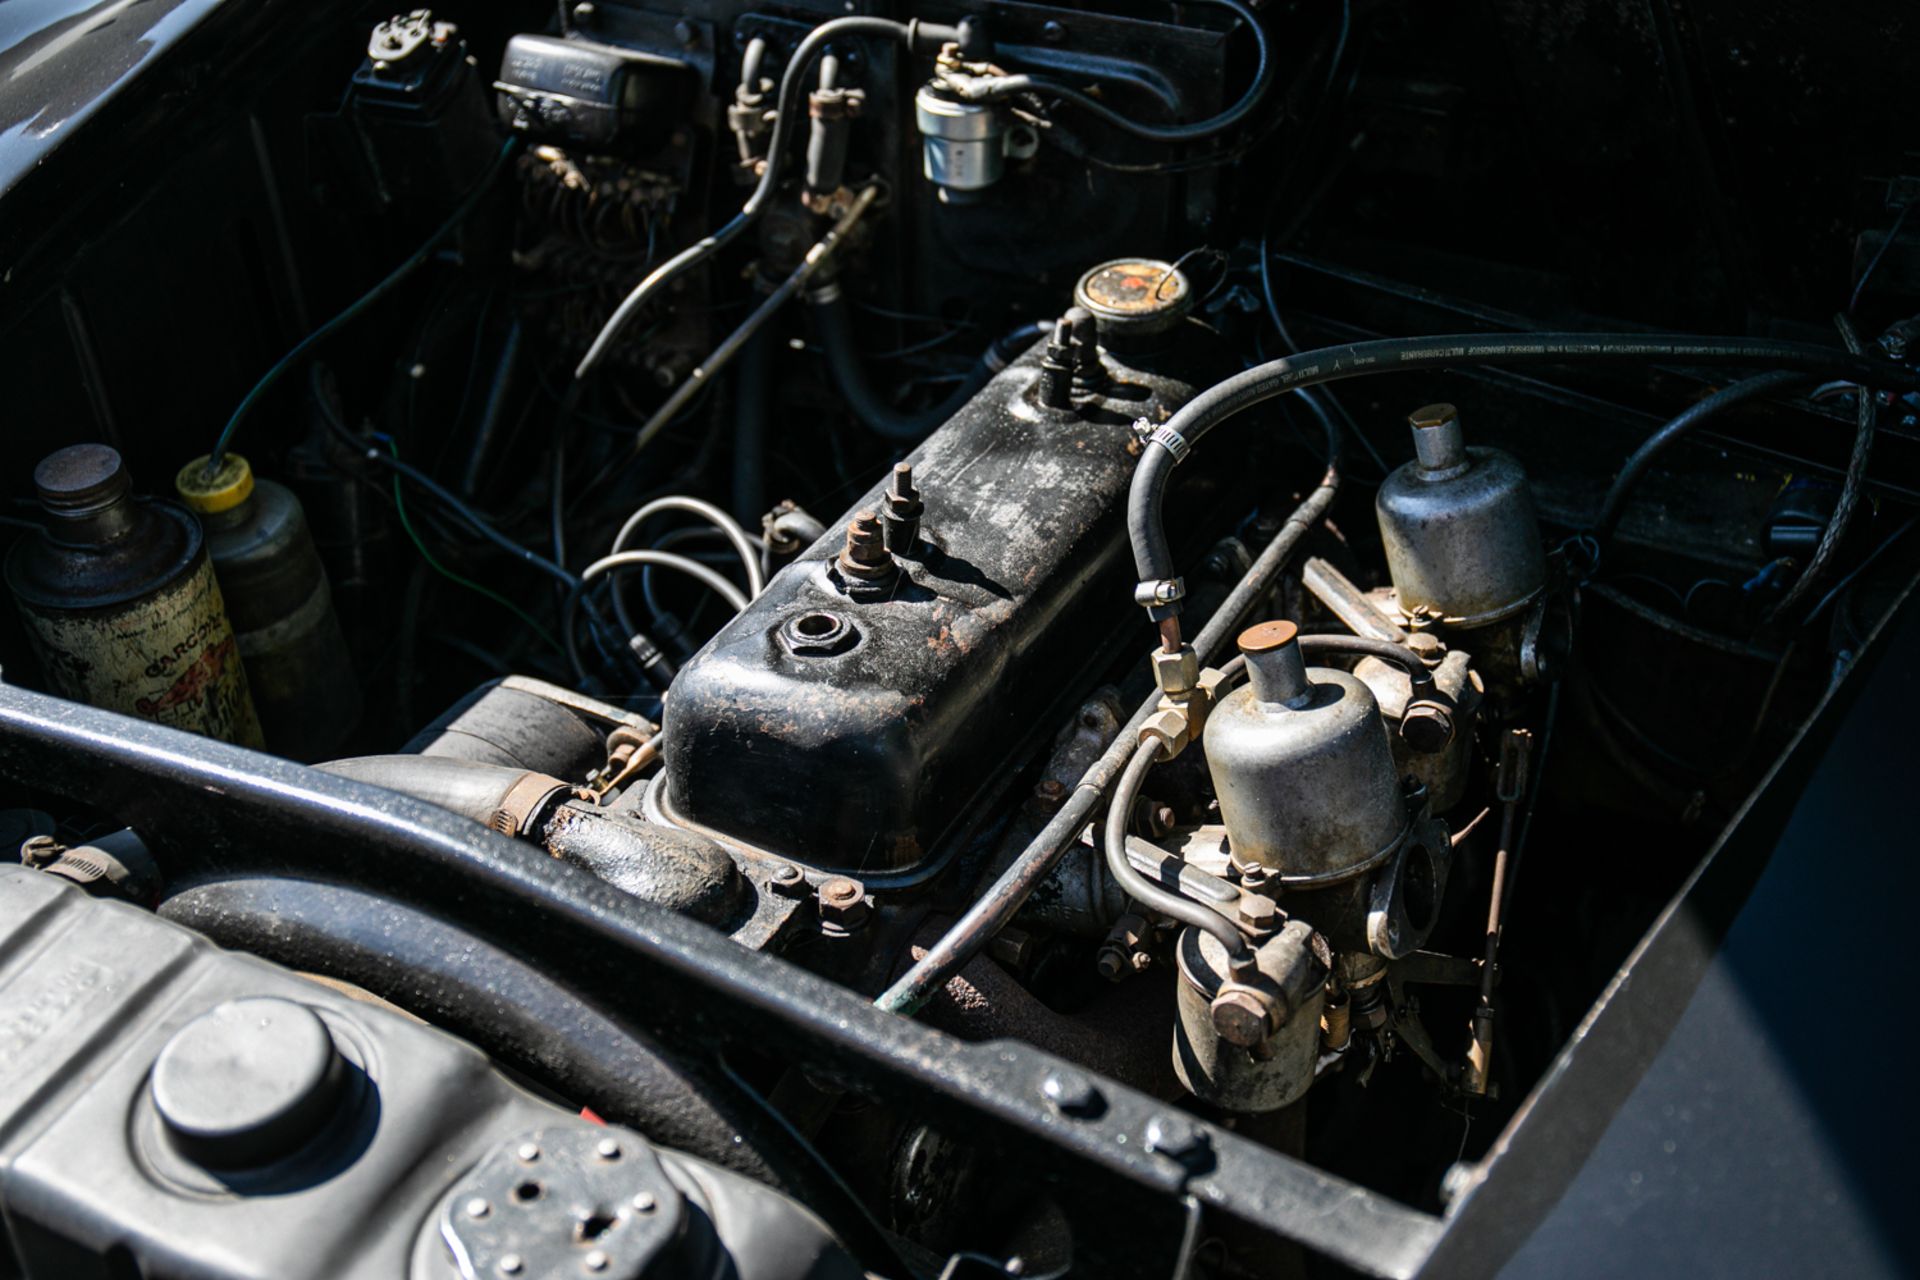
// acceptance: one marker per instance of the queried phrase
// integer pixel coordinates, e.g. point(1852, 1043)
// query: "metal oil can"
point(280, 604)
point(121, 605)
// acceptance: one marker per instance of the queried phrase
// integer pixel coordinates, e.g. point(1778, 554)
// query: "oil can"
point(120, 602)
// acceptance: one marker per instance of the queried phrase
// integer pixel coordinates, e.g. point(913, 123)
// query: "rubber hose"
point(1153, 556)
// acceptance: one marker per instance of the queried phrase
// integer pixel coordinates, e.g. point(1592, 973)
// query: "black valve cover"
point(850, 725)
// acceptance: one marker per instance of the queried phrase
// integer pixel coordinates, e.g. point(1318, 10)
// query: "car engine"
point(811, 640)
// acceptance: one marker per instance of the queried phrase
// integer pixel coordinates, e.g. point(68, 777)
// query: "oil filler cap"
point(1135, 297)
point(247, 1083)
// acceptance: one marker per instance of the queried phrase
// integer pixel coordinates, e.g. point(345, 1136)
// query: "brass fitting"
point(1182, 715)
point(1176, 674)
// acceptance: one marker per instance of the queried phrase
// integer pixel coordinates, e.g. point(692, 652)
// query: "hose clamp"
point(523, 802)
point(1173, 442)
point(1164, 591)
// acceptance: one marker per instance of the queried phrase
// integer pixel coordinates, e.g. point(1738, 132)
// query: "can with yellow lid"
point(281, 605)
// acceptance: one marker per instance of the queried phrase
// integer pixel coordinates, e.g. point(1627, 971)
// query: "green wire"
point(393, 278)
point(400, 507)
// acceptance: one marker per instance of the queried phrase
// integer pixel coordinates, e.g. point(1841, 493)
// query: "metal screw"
point(904, 509)
point(902, 490)
point(607, 1149)
point(512, 1264)
point(1053, 32)
point(478, 1208)
point(787, 880)
point(596, 1261)
point(643, 1202)
point(1070, 1093)
point(527, 1153)
point(686, 33)
point(1173, 1135)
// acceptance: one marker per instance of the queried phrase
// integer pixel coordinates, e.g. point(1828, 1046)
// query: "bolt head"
point(1054, 32)
point(1427, 727)
point(512, 1264)
point(596, 1261)
point(1257, 911)
point(1243, 1017)
point(1070, 1093)
point(478, 1208)
point(526, 1153)
point(644, 1202)
point(1172, 1134)
point(1427, 646)
point(607, 1149)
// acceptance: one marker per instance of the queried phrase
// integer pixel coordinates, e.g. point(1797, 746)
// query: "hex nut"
point(843, 905)
point(788, 881)
point(1176, 673)
point(865, 555)
point(818, 633)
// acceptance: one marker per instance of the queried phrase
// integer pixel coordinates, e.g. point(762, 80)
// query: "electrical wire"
point(406, 523)
point(746, 546)
point(471, 518)
point(1306, 395)
point(630, 560)
point(709, 577)
point(459, 215)
point(743, 545)
point(1689, 419)
point(994, 88)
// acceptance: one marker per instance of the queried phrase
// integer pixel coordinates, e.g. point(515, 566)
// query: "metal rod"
point(1348, 603)
point(1003, 899)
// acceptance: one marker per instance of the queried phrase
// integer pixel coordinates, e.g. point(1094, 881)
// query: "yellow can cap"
point(222, 489)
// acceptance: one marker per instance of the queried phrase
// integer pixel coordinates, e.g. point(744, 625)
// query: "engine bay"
point(942, 635)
